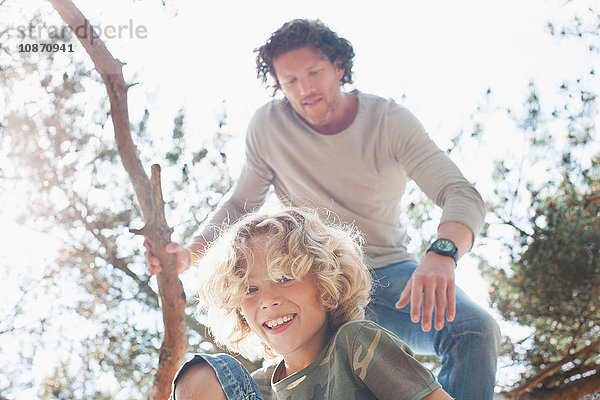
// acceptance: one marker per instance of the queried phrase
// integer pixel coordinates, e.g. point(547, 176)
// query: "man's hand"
point(182, 256)
point(433, 284)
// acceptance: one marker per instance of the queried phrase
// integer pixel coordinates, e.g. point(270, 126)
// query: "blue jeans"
point(468, 347)
point(233, 376)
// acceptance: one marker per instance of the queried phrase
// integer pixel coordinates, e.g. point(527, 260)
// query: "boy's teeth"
point(278, 321)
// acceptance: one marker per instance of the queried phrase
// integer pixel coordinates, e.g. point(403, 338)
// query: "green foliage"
point(554, 285)
point(551, 283)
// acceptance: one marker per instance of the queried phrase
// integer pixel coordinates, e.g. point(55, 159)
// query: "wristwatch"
point(445, 247)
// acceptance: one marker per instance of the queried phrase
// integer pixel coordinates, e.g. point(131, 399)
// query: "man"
point(351, 154)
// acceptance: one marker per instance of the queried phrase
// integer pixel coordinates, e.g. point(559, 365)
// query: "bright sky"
point(442, 55)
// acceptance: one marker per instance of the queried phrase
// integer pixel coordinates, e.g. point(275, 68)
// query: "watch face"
point(444, 245)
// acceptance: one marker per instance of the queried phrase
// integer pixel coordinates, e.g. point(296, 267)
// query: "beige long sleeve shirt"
point(358, 175)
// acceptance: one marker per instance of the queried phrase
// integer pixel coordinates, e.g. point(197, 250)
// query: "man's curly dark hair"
point(299, 33)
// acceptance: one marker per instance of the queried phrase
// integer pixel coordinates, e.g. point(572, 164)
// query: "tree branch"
point(588, 201)
point(553, 368)
point(111, 72)
point(573, 390)
point(556, 379)
point(148, 193)
point(513, 225)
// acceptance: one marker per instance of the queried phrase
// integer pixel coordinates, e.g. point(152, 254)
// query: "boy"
point(297, 286)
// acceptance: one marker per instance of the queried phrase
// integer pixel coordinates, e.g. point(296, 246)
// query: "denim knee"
point(488, 330)
point(235, 380)
point(492, 329)
point(483, 334)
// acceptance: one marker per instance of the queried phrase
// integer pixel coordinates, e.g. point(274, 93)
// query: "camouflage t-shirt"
point(361, 361)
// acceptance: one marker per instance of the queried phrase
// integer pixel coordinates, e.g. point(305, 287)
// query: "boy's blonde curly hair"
point(298, 244)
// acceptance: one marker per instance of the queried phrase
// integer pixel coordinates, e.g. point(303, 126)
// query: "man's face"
point(311, 83)
point(287, 314)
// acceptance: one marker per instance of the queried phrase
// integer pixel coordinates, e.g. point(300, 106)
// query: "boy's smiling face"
point(286, 315)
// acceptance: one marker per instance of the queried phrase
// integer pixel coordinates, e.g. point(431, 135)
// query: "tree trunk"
point(571, 391)
point(148, 193)
point(553, 368)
